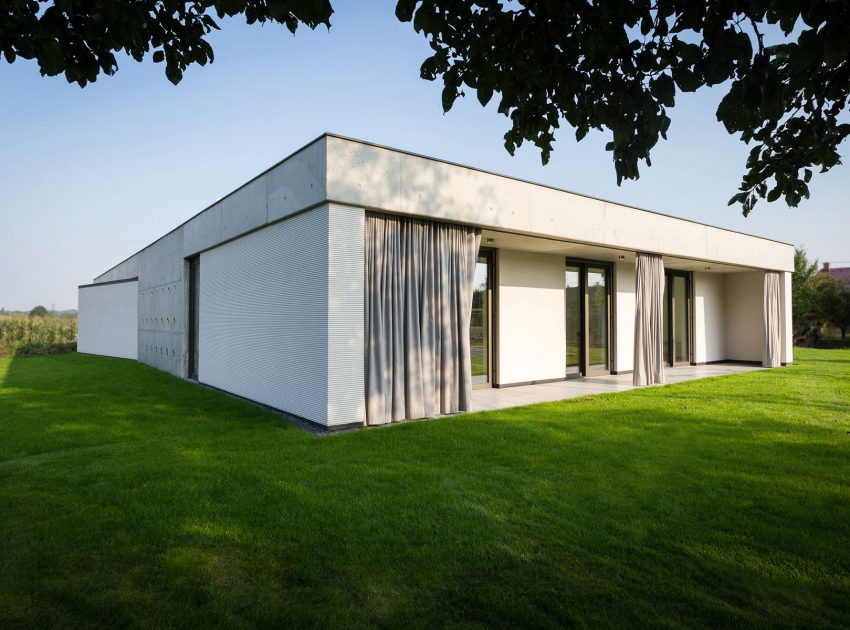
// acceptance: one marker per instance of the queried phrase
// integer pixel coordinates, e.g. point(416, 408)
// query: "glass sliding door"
point(588, 318)
point(481, 323)
point(598, 315)
point(572, 296)
point(677, 319)
point(679, 310)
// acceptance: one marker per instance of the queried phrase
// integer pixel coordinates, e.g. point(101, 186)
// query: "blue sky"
point(89, 176)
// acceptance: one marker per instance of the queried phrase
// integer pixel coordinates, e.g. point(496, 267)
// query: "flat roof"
point(328, 134)
point(521, 180)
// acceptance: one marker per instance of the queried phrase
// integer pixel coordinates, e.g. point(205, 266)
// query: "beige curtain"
point(772, 319)
point(649, 320)
point(419, 282)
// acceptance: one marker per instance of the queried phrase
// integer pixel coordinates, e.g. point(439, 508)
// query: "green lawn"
point(128, 497)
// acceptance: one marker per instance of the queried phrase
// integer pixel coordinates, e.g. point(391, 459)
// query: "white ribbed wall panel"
point(346, 259)
point(281, 316)
point(107, 322)
point(264, 316)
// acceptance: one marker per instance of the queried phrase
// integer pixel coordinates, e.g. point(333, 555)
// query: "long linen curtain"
point(419, 283)
point(649, 320)
point(772, 319)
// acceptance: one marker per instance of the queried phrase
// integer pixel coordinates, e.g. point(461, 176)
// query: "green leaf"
point(485, 93)
point(404, 10)
point(687, 80)
point(737, 198)
point(729, 109)
point(663, 88)
point(449, 96)
point(173, 73)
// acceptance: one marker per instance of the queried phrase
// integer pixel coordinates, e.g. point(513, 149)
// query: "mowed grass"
point(128, 497)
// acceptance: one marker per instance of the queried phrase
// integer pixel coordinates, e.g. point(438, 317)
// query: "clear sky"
point(90, 176)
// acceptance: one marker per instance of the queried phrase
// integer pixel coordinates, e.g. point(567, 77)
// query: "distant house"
point(839, 273)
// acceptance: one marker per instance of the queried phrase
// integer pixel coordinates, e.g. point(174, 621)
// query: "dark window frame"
point(194, 316)
point(583, 265)
point(490, 254)
point(669, 307)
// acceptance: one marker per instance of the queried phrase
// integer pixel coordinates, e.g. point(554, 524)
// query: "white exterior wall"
point(745, 316)
point(281, 316)
point(709, 317)
point(624, 322)
point(531, 342)
point(107, 321)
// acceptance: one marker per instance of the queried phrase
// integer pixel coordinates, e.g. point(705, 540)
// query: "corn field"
point(38, 330)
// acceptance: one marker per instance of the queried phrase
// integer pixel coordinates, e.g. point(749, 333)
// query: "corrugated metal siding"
point(108, 320)
point(264, 316)
point(346, 393)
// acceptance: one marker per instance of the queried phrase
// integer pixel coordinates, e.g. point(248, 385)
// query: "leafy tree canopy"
point(80, 38)
point(832, 302)
point(614, 66)
point(39, 311)
point(617, 66)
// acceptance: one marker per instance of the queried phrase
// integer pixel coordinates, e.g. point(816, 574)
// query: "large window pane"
point(680, 319)
point(479, 328)
point(666, 325)
point(597, 319)
point(573, 308)
point(194, 308)
point(587, 319)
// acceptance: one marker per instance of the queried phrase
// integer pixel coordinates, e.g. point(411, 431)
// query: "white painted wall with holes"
point(160, 325)
point(161, 305)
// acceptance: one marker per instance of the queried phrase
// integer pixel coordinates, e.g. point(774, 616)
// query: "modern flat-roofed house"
point(355, 284)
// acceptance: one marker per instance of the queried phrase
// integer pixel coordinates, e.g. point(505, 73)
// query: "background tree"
point(832, 303)
point(39, 311)
point(614, 66)
point(841, 317)
point(803, 292)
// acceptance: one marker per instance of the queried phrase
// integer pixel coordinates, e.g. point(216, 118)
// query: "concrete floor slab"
point(505, 397)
